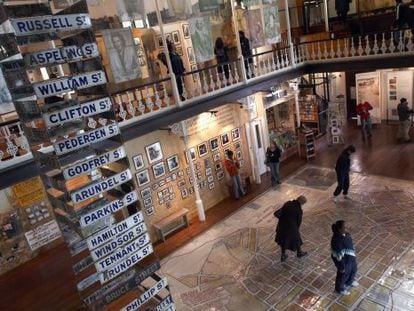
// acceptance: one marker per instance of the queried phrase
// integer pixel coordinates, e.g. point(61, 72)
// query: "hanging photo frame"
point(224, 139)
point(158, 170)
point(202, 149)
point(235, 134)
point(138, 162)
point(154, 152)
point(142, 178)
point(214, 144)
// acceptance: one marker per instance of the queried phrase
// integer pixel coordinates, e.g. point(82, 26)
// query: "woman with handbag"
point(273, 154)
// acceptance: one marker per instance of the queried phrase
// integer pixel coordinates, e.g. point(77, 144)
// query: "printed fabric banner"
point(122, 54)
point(201, 38)
point(254, 20)
point(272, 25)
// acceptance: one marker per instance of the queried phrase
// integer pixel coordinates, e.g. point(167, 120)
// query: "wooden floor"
point(46, 282)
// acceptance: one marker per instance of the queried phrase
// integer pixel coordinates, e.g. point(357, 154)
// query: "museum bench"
point(172, 222)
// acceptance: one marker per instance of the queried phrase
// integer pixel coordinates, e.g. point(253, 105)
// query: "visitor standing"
point(365, 117)
point(342, 9)
point(287, 230)
point(344, 258)
point(404, 15)
point(404, 114)
point(232, 167)
point(273, 154)
point(246, 52)
point(222, 57)
point(342, 168)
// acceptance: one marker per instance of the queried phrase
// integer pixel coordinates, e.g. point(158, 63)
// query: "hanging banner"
point(272, 25)
point(76, 112)
point(68, 84)
point(126, 264)
point(43, 235)
point(201, 37)
point(85, 139)
point(100, 187)
point(62, 55)
point(254, 21)
point(122, 253)
point(110, 233)
point(134, 305)
point(108, 209)
point(119, 241)
point(41, 24)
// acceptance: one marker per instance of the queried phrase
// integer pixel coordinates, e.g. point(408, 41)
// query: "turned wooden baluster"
point(148, 101)
point(376, 47)
point(383, 44)
point(158, 102)
point(131, 108)
point(367, 47)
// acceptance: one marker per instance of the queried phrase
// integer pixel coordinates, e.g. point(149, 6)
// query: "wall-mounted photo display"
point(146, 192)
point(202, 149)
point(206, 163)
point(154, 152)
point(142, 178)
point(235, 134)
point(172, 163)
point(239, 155)
point(154, 187)
point(225, 139)
point(216, 157)
point(192, 154)
point(214, 144)
point(181, 183)
point(158, 170)
point(210, 178)
point(220, 175)
point(149, 210)
point(219, 166)
point(237, 145)
point(208, 171)
point(184, 193)
point(161, 183)
point(180, 173)
point(138, 162)
point(176, 37)
point(148, 202)
point(211, 186)
point(186, 31)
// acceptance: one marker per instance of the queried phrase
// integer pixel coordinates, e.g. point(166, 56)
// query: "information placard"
point(43, 234)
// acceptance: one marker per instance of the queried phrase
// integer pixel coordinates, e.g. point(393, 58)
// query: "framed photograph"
point(191, 180)
point(160, 44)
point(63, 4)
point(149, 210)
point(210, 178)
point(237, 145)
point(220, 175)
point(216, 157)
point(211, 186)
point(184, 193)
point(241, 163)
point(172, 163)
point(190, 54)
point(160, 195)
point(202, 149)
point(219, 166)
point(239, 155)
point(170, 189)
point(191, 190)
point(199, 175)
point(205, 183)
point(161, 183)
point(194, 68)
point(176, 37)
point(181, 183)
point(208, 171)
point(192, 154)
point(168, 179)
point(226, 150)
point(158, 170)
point(180, 173)
point(138, 162)
point(174, 176)
point(165, 191)
point(214, 144)
point(147, 202)
point(179, 50)
point(186, 31)
point(225, 139)
point(146, 192)
point(206, 163)
point(154, 187)
point(235, 134)
point(197, 166)
point(154, 152)
point(142, 178)
point(168, 37)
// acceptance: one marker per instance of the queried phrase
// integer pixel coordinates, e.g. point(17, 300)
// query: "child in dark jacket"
point(343, 255)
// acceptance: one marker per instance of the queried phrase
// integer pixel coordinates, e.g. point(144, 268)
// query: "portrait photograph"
point(158, 170)
point(206, 163)
point(138, 162)
point(147, 202)
point(168, 179)
point(146, 192)
point(225, 139)
point(176, 37)
point(237, 145)
point(180, 173)
point(149, 210)
point(160, 195)
point(181, 183)
point(192, 154)
point(211, 186)
point(122, 54)
point(216, 157)
point(184, 193)
point(160, 43)
point(220, 175)
point(190, 54)
point(154, 152)
point(201, 37)
point(214, 144)
point(235, 134)
point(210, 178)
point(161, 183)
point(186, 31)
point(208, 171)
point(154, 187)
point(174, 176)
point(219, 166)
point(239, 155)
point(142, 178)
point(202, 149)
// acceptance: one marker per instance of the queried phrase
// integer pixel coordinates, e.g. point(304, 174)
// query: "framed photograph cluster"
point(147, 201)
point(165, 196)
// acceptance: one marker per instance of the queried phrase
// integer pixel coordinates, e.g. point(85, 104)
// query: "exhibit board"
point(399, 84)
point(368, 89)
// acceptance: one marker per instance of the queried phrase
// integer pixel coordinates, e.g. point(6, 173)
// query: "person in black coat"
point(287, 230)
point(404, 15)
point(222, 56)
point(342, 9)
point(344, 258)
point(246, 52)
point(342, 168)
point(273, 154)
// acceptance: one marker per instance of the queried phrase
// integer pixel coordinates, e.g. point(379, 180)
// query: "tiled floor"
point(236, 264)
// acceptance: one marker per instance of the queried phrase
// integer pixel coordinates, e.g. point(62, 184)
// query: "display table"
point(172, 222)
